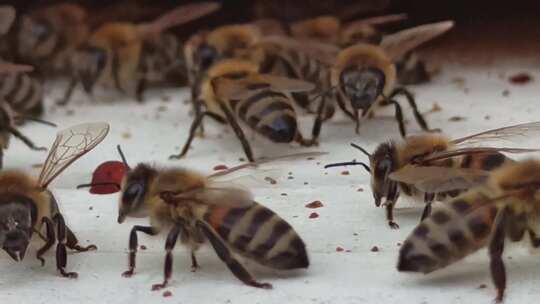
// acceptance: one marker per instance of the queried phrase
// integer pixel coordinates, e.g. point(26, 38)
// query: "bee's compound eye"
point(133, 191)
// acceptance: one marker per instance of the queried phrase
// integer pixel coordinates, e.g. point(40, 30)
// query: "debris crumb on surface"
point(340, 249)
point(374, 249)
point(314, 205)
point(456, 118)
point(360, 190)
point(220, 167)
point(345, 172)
point(313, 215)
point(143, 247)
point(435, 108)
point(126, 135)
point(482, 286)
point(283, 194)
point(270, 180)
point(487, 117)
point(520, 78)
point(91, 208)
point(242, 159)
point(167, 294)
point(505, 93)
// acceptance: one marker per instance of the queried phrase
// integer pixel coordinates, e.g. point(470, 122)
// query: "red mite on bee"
point(197, 209)
point(433, 166)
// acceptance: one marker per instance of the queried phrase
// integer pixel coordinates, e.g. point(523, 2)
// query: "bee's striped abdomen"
point(450, 233)
point(269, 113)
point(258, 233)
point(22, 92)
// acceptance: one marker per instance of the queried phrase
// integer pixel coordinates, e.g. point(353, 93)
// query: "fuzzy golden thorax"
point(363, 74)
point(414, 146)
point(227, 40)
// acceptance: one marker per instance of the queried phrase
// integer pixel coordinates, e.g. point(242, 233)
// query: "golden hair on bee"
point(228, 39)
point(324, 29)
point(365, 56)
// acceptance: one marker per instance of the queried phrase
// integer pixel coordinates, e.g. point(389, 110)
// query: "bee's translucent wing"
point(221, 195)
point(472, 150)
point(227, 88)
point(505, 134)
point(7, 16)
point(71, 144)
point(257, 164)
point(435, 179)
point(325, 53)
point(378, 20)
point(180, 15)
point(7, 67)
point(398, 44)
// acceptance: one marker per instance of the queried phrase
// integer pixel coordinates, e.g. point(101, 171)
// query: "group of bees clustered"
point(258, 74)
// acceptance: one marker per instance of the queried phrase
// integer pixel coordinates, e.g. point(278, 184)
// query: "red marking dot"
point(520, 78)
point(108, 172)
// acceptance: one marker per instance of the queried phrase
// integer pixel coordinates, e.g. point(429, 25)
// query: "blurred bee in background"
point(506, 206)
point(115, 53)
point(364, 75)
point(46, 37)
point(234, 91)
point(436, 167)
point(8, 116)
point(7, 17)
point(28, 207)
point(197, 208)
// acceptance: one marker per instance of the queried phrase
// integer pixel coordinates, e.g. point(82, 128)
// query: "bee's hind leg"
point(49, 237)
point(73, 243)
point(172, 237)
point(61, 254)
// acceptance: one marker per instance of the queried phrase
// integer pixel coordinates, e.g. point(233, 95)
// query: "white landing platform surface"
point(151, 131)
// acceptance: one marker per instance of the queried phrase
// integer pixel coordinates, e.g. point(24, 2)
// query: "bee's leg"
point(428, 199)
point(1, 158)
point(226, 256)
point(196, 122)
point(194, 264)
point(238, 131)
point(535, 240)
point(133, 244)
point(50, 239)
point(61, 254)
point(69, 92)
point(140, 89)
point(342, 106)
point(169, 246)
point(27, 141)
point(391, 199)
point(417, 115)
point(319, 119)
point(399, 117)
point(496, 247)
point(197, 111)
point(73, 243)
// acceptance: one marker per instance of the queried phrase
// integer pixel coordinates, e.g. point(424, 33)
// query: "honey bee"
point(7, 17)
point(364, 75)
point(23, 92)
point(28, 207)
point(8, 116)
point(115, 53)
point(233, 91)
point(410, 167)
point(325, 29)
point(46, 37)
point(506, 205)
point(200, 208)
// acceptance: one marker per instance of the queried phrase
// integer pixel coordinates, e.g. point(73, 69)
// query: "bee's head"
point(135, 186)
point(206, 56)
point(382, 165)
point(36, 37)
point(88, 63)
point(362, 85)
point(16, 226)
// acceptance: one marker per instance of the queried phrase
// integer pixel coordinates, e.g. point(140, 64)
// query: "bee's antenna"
point(361, 149)
point(351, 163)
point(48, 123)
point(122, 156)
point(99, 184)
